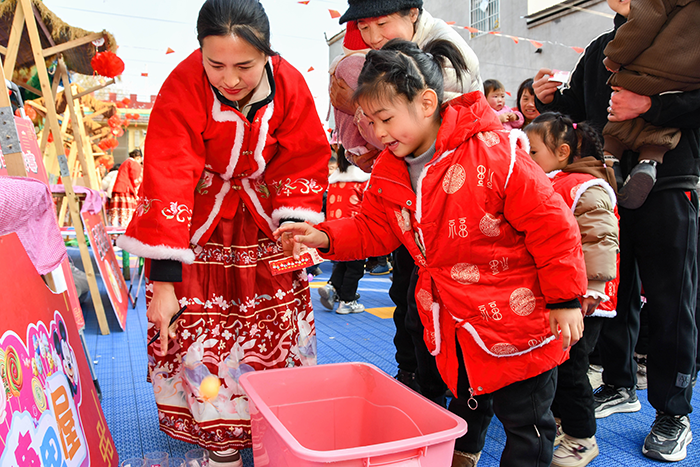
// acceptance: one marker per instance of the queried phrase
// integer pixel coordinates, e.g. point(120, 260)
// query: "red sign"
point(49, 411)
point(107, 264)
point(30, 150)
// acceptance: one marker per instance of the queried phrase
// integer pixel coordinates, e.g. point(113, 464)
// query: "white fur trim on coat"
point(435, 309)
point(304, 214)
point(475, 335)
point(353, 174)
point(220, 115)
point(515, 136)
point(262, 139)
point(598, 313)
point(218, 201)
point(256, 202)
point(133, 246)
point(595, 182)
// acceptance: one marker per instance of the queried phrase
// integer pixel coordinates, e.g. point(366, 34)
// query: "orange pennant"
point(515, 39)
point(578, 49)
point(334, 13)
point(509, 94)
point(144, 74)
point(450, 22)
point(304, 3)
point(310, 69)
point(169, 51)
point(471, 29)
point(535, 43)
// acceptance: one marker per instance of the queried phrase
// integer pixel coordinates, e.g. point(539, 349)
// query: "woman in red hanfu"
point(126, 187)
point(235, 148)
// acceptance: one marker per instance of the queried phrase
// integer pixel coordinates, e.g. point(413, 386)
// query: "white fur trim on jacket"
point(220, 115)
point(435, 309)
point(598, 313)
point(353, 174)
point(218, 201)
point(596, 294)
point(304, 214)
point(595, 182)
point(133, 246)
point(515, 136)
point(475, 335)
point(262, 138)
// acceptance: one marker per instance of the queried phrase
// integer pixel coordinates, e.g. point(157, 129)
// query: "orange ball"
point(209, 387)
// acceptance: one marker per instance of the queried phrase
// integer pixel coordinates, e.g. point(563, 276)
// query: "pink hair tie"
point(575, 126)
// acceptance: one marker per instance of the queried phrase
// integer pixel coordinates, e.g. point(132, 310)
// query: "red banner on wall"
point(49, 411)
point(107, 264)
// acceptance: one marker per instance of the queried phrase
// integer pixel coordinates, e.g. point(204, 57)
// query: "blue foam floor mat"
point(129, 405)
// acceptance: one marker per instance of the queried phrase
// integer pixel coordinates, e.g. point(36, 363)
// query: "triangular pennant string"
point(516, 39)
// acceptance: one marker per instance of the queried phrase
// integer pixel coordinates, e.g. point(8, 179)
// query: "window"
point(484, 15)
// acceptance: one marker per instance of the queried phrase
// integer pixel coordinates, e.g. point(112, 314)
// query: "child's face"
point(233, 66)
point(400, 125)
point(620, 6)
point(378, 31)
point(543, 156)
point(497, 99)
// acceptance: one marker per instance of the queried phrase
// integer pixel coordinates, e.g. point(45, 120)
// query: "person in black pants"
point(405, 349)
point(658, 245)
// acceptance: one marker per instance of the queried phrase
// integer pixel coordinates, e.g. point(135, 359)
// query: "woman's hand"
point(589, 305)
point(162, 308)
point(294, 236)
point(543, 87)
point(570, 322)
point(341, 96)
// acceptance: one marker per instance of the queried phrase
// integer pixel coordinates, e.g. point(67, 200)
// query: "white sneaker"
point(669, 438)
point(575, 452)
point(560, 433)
point(350, 307)
point(327, 295)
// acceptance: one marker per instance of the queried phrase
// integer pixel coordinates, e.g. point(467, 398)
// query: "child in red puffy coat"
point(491, 239)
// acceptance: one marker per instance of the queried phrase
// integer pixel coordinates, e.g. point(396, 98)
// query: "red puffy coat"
point(493, 241)
point(345, 192)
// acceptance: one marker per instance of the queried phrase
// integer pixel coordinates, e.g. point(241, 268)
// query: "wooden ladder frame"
point(25, 15)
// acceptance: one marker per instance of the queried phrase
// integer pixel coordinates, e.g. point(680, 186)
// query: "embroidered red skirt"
point(239, 318)
point(121, 209)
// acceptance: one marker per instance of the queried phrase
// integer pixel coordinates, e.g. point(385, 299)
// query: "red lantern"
point(126, 101)
point(29, 110)
point(107, 64)
point(118, 131)
point(114, 121)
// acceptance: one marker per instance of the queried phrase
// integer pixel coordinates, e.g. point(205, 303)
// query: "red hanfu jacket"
point(203, 158)
point(128, 177)
point(493, 241)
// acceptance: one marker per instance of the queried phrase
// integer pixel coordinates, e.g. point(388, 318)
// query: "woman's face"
point(378, 31)
point(527, 105)
point(233, 66)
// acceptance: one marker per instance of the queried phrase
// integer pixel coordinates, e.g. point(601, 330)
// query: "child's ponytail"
point(556, 129)
point(401, 68)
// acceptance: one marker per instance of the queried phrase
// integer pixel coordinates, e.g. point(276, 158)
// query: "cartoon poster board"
point(107, 263)
point(30, 150)
point(49, 411)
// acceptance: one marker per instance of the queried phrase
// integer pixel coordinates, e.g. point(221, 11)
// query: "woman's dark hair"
point(525, 85)
point(556, 129)
point(242, 18)
point(402, 68)
point(491, 85)
point(136, 153)
point(343, 163)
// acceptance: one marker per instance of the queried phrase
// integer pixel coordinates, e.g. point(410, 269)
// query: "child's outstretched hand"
point(294, 236)
point(570, 322)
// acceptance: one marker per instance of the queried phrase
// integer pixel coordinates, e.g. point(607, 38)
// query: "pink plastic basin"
point(345, 415)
